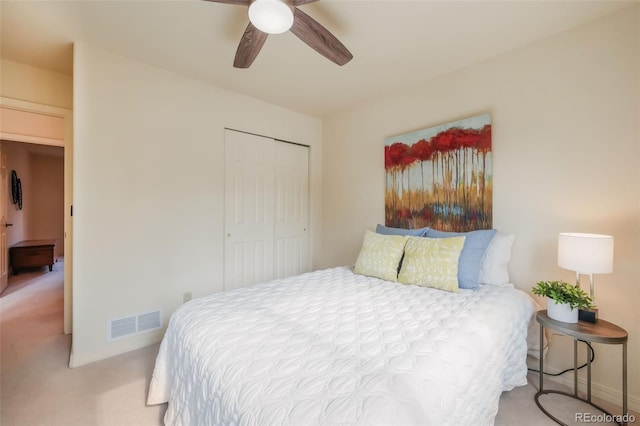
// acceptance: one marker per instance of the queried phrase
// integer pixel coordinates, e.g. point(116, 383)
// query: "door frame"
point(67, 144)
point(4, 204)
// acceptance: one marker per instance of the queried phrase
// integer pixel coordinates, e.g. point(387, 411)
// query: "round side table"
point(600, 332)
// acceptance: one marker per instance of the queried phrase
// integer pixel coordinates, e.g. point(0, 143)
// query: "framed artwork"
point(19, 201)
point(441, 177)
point(16, 189)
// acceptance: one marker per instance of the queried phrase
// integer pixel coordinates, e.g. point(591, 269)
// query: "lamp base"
point(589, 315)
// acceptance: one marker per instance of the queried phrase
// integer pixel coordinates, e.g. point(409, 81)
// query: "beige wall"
point(148, 190)
point(18, 160)
point(28, 83)
point(566, 155)
point(46, 196)
point(42, 178)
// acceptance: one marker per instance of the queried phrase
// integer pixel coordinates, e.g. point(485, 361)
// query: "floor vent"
point(142, 323)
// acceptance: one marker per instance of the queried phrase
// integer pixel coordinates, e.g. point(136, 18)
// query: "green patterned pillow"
point(432, 262)
point(380, 256)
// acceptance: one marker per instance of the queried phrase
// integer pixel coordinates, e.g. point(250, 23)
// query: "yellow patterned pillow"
point(380, 256)
point(432, 262)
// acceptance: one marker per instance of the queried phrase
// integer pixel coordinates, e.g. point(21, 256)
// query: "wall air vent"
point(122, 327)
point(137, 324)
point(149, 322)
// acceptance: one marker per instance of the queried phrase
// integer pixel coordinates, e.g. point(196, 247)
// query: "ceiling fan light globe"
point(271, 16)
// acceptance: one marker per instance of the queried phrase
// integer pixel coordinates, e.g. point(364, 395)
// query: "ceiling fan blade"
point(319, 38)
point(238, 2)
point(250, 44)
point(301, 2)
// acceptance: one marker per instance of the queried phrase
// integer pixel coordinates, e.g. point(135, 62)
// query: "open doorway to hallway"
point(38, 216)
point(41, 127)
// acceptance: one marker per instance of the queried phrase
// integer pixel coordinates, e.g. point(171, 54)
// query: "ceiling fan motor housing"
point(271, 16)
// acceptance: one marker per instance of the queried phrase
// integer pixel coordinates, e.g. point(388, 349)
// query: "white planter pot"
point(561, 312)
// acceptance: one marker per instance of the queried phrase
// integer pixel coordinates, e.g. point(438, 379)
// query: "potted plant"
point(564, 299)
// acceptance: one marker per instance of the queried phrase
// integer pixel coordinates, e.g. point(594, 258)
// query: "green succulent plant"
point(563, 292)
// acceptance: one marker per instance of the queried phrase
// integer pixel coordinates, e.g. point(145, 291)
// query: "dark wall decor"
point(19, 194)
point(16, 189)
point(14, 186)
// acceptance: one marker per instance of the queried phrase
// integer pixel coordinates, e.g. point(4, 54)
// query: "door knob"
point(8, 225)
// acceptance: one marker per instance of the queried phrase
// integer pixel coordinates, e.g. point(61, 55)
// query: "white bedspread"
point(333, 347)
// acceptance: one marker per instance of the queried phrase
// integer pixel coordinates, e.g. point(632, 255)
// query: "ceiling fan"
point(278, 16)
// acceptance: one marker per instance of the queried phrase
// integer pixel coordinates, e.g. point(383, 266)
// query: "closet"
point(266, 209)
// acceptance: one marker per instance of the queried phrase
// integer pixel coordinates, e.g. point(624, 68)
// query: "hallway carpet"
point(37, 386)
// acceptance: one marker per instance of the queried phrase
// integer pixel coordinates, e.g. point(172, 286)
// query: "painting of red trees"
point(440, 177)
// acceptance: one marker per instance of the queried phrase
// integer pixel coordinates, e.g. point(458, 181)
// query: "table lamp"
point(587, 254)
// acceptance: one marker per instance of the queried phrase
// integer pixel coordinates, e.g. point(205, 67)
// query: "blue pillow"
point(386, 230)
point(475, 244)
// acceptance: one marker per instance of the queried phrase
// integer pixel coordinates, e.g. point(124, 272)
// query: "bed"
point(338, 347)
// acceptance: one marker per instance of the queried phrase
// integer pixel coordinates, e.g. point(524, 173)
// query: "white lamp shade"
point(271, 16)
point(585, 253)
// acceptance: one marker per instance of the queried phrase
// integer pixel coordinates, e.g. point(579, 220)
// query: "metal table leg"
point(588, 375)
point(575, 367)
point(541, 355)
point(624, 383)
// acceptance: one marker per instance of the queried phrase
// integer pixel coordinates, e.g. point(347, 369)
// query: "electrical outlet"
point(186, 297)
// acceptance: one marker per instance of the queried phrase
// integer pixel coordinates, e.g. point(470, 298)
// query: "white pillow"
point(496, 259)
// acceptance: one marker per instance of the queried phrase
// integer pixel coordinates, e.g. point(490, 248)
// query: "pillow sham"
point(380, 255)
point(432, 262)
point(387, 230)
point(496, 260)
point(475, 245)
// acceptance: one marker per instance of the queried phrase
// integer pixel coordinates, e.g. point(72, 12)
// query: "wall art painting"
point(441, 177)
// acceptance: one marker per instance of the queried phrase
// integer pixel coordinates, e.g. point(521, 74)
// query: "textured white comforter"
point(334, 347)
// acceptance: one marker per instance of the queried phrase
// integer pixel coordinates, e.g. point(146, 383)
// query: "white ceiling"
point(396, 44)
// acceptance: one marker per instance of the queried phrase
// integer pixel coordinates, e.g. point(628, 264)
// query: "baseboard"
point(132, 344)
point(598, 391)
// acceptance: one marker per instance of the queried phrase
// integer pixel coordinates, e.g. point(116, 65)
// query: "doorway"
point(33, 207)
point(43, 125)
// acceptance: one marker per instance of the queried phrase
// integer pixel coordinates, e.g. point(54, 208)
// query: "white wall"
point(148, 190)
point(566, 157)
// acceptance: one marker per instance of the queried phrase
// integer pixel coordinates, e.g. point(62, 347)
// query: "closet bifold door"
point(291, 209)
point(249, 209)
point(266, 209)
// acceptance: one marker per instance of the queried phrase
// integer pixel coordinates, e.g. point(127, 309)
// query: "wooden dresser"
point(33, 253)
